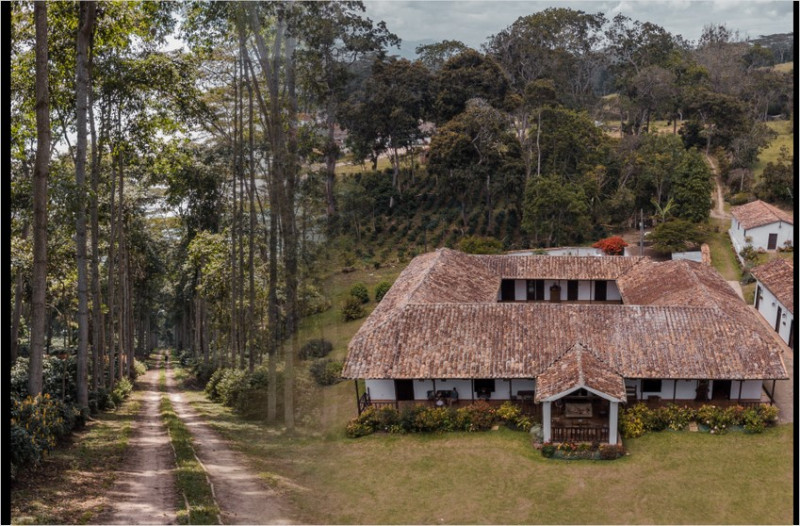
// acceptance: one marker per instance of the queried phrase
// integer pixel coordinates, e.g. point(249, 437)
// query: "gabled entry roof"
point(579, 368)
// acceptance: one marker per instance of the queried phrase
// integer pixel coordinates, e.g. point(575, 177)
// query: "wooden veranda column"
point(358, 401)
point(546, 431)
point(612, 422)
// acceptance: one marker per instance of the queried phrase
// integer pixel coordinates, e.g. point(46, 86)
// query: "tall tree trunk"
point(41, 172)
point(98, 326)
point(251, 319)
point(234, 226)
point(290, 238)
point(331, 152)
point(110, 285)
point(121, 339)
point(86, 23)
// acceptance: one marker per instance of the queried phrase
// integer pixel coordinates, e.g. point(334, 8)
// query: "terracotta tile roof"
point(559, 267)
point(520, 340)
point(576, 368)
point(778, 276)
point(759, 213)
point(441, 319)
point(676, 283)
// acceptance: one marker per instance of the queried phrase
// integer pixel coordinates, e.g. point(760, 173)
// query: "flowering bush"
point(612, 246)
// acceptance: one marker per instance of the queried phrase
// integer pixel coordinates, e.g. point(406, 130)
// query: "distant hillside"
point(781, 44)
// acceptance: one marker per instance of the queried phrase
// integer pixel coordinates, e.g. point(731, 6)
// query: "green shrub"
point(355, 429)
point(37, 424)
point(479, 416)
point(213, 381)
point(753, 421)
point(741, 198)
point(381, 289)
point(315, 349)
point(352, 309)
point(359, 290)
point(121, 390)
point(677, 417)
point(434, 419)
point(326, 371)
point(548, 450)
point(139, 368)
point(203, 371)
point(231, 386)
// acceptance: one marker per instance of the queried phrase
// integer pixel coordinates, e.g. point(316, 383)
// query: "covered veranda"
point(580, 397)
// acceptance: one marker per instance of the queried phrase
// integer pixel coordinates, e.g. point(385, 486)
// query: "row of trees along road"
point(235, 132)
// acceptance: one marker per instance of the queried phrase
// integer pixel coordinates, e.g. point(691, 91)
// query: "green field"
point(497, 477)
point(785, 138)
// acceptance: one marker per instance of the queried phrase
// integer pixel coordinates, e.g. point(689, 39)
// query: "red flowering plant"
point(611, 246)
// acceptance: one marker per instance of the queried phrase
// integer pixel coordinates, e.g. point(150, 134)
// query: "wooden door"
point(758, 296)
point(404, 389)
point(773, 242)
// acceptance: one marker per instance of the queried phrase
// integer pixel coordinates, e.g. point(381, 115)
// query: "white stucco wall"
point(384, 389)
point(761, 234)
point(380, 389)
point(751, 389)
point(612, 292)
point(684, 389)
point(585, 290)
point(768, 308)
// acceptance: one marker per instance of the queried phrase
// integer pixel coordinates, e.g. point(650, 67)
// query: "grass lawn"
point(497, 477)
point(770, 154)
point(69, 486)
point(722, 257)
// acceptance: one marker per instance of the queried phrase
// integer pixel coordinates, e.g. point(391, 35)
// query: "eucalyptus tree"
point(334, 36)
point(558, 43)
point(40, 174)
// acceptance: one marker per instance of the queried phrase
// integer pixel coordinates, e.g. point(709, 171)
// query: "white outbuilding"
point(774, 298)
point(761, 225)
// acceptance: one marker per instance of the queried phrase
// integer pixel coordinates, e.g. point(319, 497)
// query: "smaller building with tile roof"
point(761, 225)
point(774, 297)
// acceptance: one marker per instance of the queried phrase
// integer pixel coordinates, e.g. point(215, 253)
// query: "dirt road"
point(145, 492)
point(719, 209)
point(242, 496)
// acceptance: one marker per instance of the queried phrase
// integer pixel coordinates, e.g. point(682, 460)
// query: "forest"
point(188, 175)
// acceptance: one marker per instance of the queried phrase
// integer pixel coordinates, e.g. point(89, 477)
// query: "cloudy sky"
point(472, 21)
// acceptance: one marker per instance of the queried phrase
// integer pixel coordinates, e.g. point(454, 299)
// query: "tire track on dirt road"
point(242, 496)
point(145, 490)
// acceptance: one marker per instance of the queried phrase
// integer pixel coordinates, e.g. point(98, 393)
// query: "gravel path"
point(145, 492)
point(242, 496)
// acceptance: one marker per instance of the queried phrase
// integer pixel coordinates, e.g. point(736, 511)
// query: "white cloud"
point(474, 21)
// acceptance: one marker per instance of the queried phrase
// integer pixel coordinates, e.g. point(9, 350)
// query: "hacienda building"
point(568, 338)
